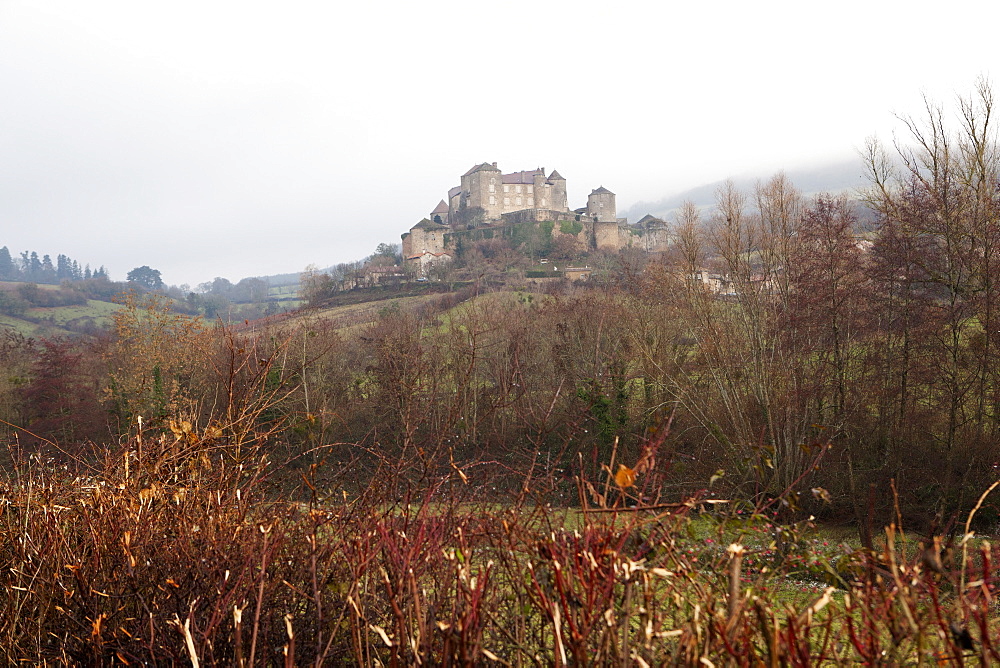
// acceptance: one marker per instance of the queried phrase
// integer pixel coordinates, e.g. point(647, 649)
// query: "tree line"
point(29, 268)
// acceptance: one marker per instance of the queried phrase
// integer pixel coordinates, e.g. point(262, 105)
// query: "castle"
point(487, 198)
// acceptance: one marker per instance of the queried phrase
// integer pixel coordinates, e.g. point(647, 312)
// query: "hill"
point(831, 178)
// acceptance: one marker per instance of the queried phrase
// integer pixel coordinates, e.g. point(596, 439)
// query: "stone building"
point(601, 206)
point(650, 234)
point(423, 261)
point(486, 197)
point(485, 190)
point(426, 236)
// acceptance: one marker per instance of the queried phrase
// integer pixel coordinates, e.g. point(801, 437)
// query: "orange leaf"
point(625, 476)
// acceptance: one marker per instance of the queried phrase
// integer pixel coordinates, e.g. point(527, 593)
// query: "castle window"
point(531, 201)
point(517, 188)
point(493, 188)
point(531, 189)
point(506, 189)
point(545, 202)
point(506, 201)
point(493, 181)
point(493, 200)
point(518, 200)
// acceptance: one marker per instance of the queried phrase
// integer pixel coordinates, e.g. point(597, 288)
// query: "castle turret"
point(601, 206)
point(559, 201)
point(540, 192)
point(440, 214)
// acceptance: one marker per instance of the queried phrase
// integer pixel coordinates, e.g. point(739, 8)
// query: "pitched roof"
point(601, 191)
point(426, 224)
point(555, 175)
point(650, 219)
point(523, 176)
point(454, 191)
point(485, 166)
point(440, 208)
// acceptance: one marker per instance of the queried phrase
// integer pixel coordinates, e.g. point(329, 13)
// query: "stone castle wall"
point(606, 235)
point(535, 216)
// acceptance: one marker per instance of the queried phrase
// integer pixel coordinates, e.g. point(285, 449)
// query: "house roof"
point(440, 208)
point(601, 191)
point(555, 175)
point(454, 191)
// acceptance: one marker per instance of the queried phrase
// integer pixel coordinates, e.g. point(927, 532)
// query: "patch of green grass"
point(101, 312)
point(13, 285)
point(61, 320)
point(22, 326)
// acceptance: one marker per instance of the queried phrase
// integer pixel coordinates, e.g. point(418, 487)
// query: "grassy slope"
point(47, 322)
point(351, 317)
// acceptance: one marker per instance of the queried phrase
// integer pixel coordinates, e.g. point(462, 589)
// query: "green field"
point(61, 320)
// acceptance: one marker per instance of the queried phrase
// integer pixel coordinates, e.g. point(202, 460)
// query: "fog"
point(242, 138)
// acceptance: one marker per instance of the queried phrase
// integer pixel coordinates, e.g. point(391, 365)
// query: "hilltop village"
point(488, 203)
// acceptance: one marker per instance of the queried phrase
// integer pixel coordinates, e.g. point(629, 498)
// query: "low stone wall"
point(535, 216)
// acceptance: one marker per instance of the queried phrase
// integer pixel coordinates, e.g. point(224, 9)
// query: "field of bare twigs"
point(182, 556)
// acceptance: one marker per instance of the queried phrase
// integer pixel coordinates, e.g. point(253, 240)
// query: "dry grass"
point(170, 550)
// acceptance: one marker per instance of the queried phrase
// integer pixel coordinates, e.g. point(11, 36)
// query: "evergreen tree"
point(34, 267)
point(64, 269)
point(8, 270)
point(48, 271)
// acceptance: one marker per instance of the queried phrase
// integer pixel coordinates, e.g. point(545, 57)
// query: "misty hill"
point(281, 280)
point(832, 178)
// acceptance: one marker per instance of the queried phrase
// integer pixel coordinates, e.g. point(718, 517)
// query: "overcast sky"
point(246, 138)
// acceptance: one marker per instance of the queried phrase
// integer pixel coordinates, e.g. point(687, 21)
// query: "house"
point(421, 263)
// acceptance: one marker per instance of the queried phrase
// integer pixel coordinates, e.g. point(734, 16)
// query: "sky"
point(221, 138)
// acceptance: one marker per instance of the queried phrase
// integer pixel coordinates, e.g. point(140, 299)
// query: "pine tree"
point(34, 267)
point(64, 270)
point(8, 270)
point(48, 271)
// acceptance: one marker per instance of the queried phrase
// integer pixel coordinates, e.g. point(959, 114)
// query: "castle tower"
point(559, 201)
point(541, 192)
point(601, 206)
point(424, 236)
point(482, 187)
